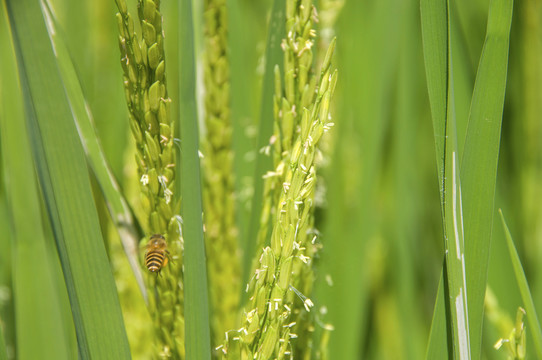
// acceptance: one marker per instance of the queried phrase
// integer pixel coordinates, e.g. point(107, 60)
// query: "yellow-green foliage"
point(380, 216)
point(221, 233)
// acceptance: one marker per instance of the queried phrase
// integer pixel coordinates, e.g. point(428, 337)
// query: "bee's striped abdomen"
point(156, 256)
point(155, 260)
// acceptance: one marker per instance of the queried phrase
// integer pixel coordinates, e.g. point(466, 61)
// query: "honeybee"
point(157, 255)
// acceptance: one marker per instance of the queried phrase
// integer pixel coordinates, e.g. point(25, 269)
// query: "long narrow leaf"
point(39, 326)
point(60, 163)
point(118, 207)
point(196, 314)
point(528, 303)
point(434, 21)
point(434, 18)
point(480, 159)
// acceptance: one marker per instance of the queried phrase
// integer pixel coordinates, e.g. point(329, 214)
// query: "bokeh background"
point(378, 199)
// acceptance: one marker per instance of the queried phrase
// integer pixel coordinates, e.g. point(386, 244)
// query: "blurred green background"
point(378, 200)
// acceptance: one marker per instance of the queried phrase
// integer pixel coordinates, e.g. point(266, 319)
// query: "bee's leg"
point(168, 258)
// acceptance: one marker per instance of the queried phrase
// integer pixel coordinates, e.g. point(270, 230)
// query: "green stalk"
point(198, 342)
point(143, 62)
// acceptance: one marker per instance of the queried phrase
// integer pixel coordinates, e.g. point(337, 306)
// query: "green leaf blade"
point(118, 208)
point(39, 312)
point(62, 171)
point(434, 21)
point(528, 303)
point(480, 159)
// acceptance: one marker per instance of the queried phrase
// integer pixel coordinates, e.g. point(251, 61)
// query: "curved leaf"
point(528, 303)
point(480, 159)
point(61, 168)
